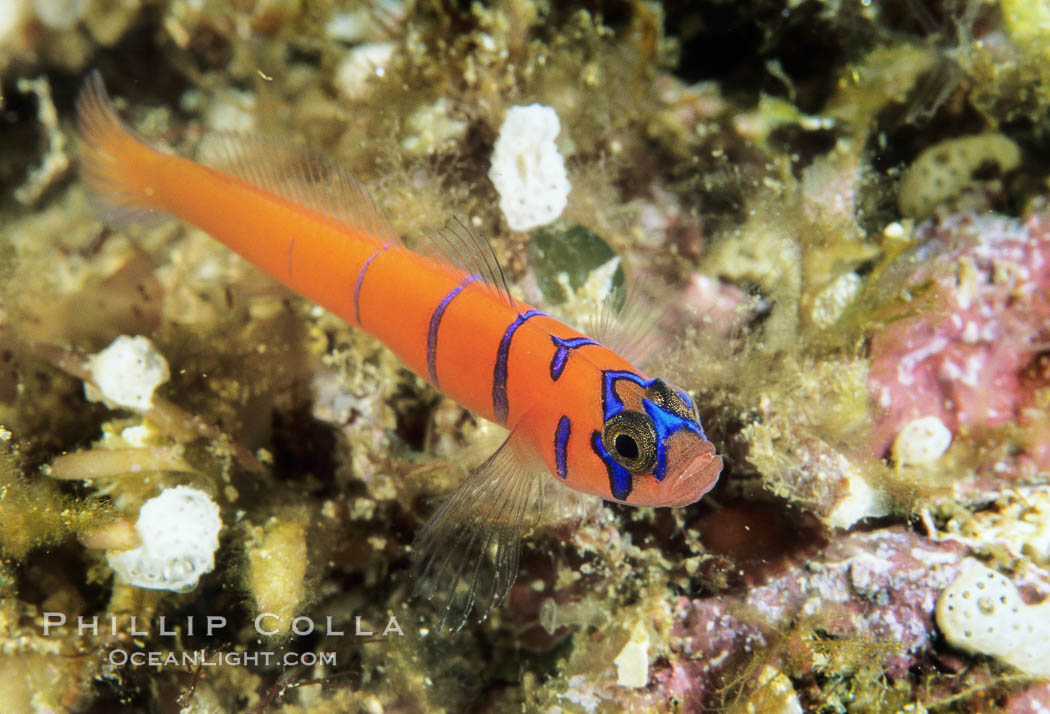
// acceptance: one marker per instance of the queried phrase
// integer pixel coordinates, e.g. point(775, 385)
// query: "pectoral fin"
point(467, 553)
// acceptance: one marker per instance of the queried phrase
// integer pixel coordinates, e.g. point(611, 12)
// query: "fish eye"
point(663, 396)
point(626, 446)
point(630, 438)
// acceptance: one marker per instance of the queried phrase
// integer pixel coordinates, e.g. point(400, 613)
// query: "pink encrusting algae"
point(969, 355)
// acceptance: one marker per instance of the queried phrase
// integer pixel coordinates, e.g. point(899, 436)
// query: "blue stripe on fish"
point(499, 373)
point(435, 323)
point(360, 281)
point(561, 355)
point(561, 445)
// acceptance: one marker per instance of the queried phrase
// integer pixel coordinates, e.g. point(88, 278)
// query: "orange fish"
point(579, 414)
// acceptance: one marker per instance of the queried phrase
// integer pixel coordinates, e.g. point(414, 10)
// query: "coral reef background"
point(846, 205)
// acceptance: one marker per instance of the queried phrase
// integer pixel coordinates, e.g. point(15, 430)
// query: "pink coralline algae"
point(965, 351)
point(1034, 699)
point(707, 641)
point(878, 587)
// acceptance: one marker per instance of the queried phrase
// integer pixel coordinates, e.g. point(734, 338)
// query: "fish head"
point(652, 444)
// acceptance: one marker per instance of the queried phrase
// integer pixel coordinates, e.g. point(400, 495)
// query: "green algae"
point(34, 513)
point(569, 251)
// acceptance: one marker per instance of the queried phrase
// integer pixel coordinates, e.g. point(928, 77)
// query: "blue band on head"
point(620, 481)
point(664, 422)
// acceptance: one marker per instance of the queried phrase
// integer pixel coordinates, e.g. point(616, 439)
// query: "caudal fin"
point(115, 162)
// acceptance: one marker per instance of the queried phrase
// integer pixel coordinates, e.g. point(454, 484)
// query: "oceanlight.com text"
point(212, 658)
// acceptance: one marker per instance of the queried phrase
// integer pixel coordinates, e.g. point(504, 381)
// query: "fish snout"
point(697, 477)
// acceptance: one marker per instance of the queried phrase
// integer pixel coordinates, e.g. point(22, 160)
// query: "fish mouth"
point(696, 479)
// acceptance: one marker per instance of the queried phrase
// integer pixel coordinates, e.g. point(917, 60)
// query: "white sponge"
point(527, 169)
point(921, 441)
point(982, 613)
point(127, 372)
point(180, 534)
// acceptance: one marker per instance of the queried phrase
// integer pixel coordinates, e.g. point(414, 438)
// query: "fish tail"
point(116, 162)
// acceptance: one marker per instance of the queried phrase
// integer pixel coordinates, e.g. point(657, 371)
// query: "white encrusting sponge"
point(527, 169)
point(921, 441)
point(180, 534)
point(127, 372)
point(982, 613)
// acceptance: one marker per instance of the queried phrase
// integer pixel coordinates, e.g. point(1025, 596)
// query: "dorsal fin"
point(632, 323)
point(299, 176)
point(458, 246)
